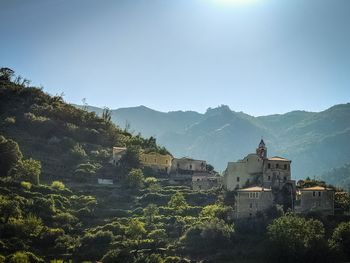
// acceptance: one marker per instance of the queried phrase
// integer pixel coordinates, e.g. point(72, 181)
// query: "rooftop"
point(277, 158)
point(119, 149)
point(315, 188)
point(254, 189)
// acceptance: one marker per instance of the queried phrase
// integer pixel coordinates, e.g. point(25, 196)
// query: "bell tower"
point(261, 150)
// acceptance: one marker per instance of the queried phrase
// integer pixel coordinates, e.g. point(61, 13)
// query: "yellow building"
point(158, 162)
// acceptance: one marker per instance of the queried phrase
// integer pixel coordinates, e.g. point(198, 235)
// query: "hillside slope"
point(315, 141)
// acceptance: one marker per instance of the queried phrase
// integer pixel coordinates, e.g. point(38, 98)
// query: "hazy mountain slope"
point(214, 137)
point(150, 122)
point(314, 141)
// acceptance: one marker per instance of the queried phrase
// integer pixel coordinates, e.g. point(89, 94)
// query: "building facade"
point(249, 201)
point(158, 162)
point(258, 169)
point(117, 154)
point(316, 199)
point(205, 182)
point(183, 169)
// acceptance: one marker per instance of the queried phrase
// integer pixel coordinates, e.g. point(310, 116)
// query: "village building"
point(258, 169)
point(205, 182)
point(249, 201)
point(157, 162)
point(117, 154)
point(183, 169)
point(315, 199)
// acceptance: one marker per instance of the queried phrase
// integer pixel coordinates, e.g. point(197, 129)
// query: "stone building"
point(252, 200)
point(183, 169)
point(258, 169)
point(316, 199)
point(117, 154)
point(158, 162)
point(205, 182)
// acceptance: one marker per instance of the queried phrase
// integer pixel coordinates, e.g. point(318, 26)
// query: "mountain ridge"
point(314, 141)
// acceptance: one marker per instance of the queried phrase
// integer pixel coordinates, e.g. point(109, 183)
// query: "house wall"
point(156, 161)
point(238, 173)
point(188, 164)
point(249, 203)
point(276, 173)
point(320, 201)
point(204, 182)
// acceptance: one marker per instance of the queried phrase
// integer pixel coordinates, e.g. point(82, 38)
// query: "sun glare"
point(235, 2)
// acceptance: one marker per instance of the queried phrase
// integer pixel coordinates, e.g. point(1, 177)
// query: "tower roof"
point(262, 143)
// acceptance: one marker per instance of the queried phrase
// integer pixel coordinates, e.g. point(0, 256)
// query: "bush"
point(295, 239)
point(207, 236)
point(115, 256)
point(57, 185)
point(340, 241)
point(26, 185)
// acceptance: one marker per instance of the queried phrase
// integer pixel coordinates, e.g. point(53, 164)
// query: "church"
point(256, 169)
point(260, 182)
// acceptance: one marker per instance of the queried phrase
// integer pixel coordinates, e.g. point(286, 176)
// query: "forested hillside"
point(314, 141)
point(53, 210)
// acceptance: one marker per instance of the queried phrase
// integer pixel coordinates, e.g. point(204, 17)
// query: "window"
point(313, 193)
point(284, 178)
point(269, 166)
point(269, 178)
point(178, 165)
point(237, 179)
point(190, 166)
point(250, 205)
point(166, 161)
point(285, 167)
point(277, 165)
point(319, 193)
point(155, 160)
point(254, 195)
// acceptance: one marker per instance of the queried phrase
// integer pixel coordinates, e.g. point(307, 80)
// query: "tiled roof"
point(315, 188)
point(277, 158)
point(119, 149)
point(254, 189)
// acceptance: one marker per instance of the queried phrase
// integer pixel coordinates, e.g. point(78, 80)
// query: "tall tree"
point(10, 154)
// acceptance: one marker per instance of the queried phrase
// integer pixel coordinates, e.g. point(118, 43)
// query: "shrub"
point(57, 185)
point(26, 185)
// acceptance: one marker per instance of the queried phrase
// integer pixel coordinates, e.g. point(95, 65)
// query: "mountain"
point(314, 141)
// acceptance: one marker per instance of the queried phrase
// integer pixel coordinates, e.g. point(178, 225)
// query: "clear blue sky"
point(257, 56)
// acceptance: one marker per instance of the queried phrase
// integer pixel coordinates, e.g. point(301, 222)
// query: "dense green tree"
point(10, 154)
point(150, 212)
point(177, 203)
point(340, 240)
point(131, 158)
point(295, 238)
point(207, 236)
point(135, 229)
point(134, 179)
point(27, 170)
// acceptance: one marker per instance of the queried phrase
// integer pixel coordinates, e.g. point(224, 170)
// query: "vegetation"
point(53, 210)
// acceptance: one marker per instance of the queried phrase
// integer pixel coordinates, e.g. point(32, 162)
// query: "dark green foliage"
point(207, 237)
point(340, 240)
point(118, 256)
point(295, 238)
point(9, 155)
point(27, 170)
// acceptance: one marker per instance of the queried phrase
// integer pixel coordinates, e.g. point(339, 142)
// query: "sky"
point(257, 56)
